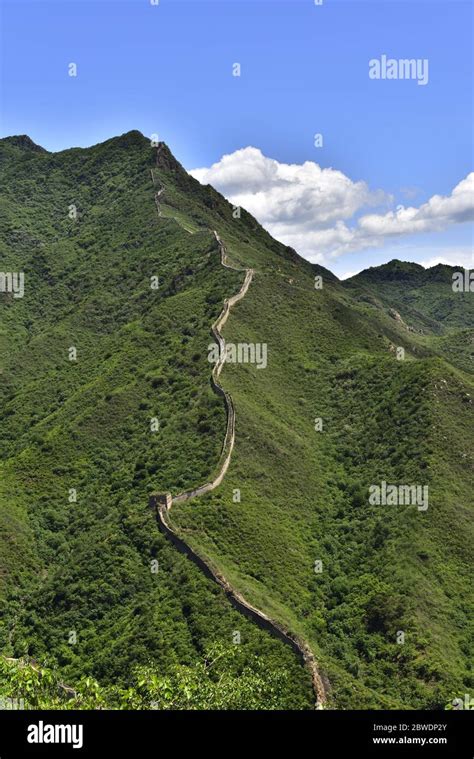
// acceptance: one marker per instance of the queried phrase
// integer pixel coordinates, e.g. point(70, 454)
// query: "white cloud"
point(317, 211)
point(438, 213)
point(453, 257)
point(349, 274)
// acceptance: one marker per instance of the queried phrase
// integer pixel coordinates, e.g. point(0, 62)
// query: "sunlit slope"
point(304, 493)
point(79, 457)
point(295, 498)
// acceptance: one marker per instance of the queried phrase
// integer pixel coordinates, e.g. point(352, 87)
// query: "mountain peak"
point(394, 270)
point(132, 139)
point(24, 142)
point(405, 271)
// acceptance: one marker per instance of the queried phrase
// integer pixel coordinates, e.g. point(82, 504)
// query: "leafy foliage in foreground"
point(224, 679)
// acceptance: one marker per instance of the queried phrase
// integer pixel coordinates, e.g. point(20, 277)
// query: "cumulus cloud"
point(436, 214)
point(287, 194)
point(453, 257)
point(319, 211)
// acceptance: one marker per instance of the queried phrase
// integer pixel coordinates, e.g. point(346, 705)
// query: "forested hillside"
point(97, 571)
point(105, 398)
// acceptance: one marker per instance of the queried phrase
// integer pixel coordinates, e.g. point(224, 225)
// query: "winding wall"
point(162, 502)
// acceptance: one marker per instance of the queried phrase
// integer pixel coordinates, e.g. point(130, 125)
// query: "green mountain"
point(424, 302)
point(106, 398)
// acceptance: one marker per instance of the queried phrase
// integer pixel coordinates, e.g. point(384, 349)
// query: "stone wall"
point(162, 502)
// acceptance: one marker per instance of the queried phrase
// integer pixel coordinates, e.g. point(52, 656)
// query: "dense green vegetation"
point(304, 494)
point(425, 296)
point(305, 497)
point(142, 353)
point(226, 677)
point(83, 570)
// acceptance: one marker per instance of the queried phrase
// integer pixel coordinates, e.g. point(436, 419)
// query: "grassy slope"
point(304, 493)
point(85, 567)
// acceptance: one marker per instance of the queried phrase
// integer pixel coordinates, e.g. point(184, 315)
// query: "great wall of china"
point(162, 503)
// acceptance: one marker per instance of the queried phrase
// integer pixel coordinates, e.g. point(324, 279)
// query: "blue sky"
point(167, 69)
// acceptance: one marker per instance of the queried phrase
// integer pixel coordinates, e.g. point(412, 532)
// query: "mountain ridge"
point(303, 492)
point(168, 161)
